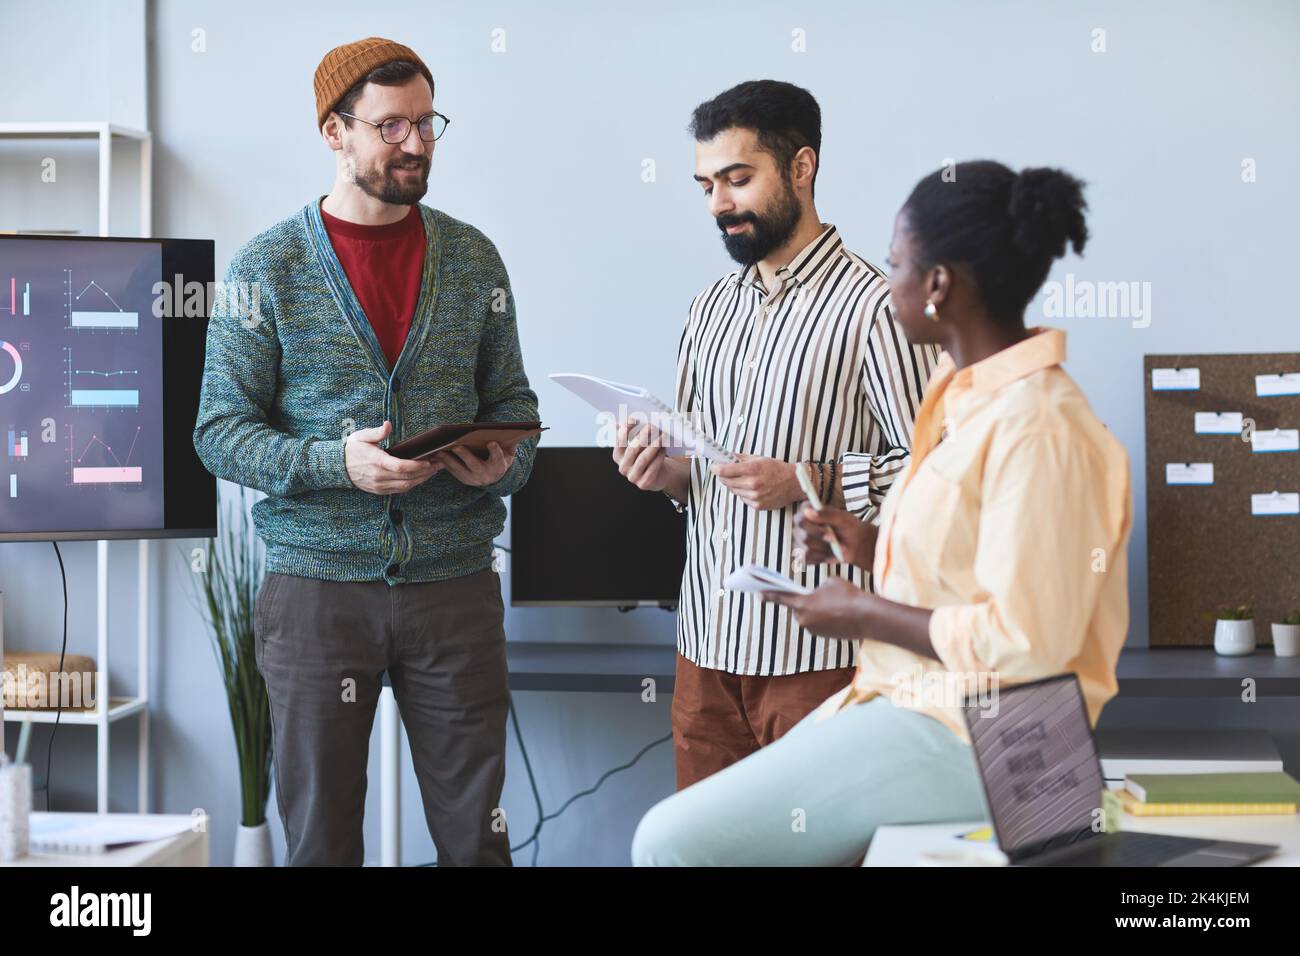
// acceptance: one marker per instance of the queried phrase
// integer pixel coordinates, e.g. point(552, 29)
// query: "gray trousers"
point(323, 647)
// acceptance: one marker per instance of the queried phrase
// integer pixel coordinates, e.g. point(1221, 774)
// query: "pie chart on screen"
point(18, 367)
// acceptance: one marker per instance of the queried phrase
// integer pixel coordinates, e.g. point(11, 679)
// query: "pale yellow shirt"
point(1011, 521)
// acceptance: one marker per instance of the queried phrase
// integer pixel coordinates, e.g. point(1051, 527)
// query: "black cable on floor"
point(542, 816)
point(585, 793)
point(59, 682)
point(532, 782)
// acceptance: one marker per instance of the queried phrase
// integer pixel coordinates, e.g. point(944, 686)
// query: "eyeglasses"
point(395, 129)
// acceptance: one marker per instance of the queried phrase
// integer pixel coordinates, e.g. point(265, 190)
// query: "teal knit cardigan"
point(293, 366)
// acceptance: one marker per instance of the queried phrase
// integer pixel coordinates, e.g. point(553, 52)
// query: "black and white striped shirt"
point(817, 370)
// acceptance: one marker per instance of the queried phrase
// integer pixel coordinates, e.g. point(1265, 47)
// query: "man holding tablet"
point(374, 308)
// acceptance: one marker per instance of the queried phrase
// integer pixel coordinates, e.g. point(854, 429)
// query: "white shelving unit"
point(106, 133)
point(108, 709)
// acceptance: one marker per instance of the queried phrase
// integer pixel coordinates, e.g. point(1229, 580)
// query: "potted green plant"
point(1286, 635)
point(227, 591)
point(1234, 630)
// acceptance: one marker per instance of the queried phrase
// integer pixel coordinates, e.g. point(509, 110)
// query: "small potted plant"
point(1234, 630)
point(1286, 635)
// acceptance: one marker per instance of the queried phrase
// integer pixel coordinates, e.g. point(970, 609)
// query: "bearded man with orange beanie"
point(377, 317)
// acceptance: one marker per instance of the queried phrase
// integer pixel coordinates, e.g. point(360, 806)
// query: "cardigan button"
point(397, 515)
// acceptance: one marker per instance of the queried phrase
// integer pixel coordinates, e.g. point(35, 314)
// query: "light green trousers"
point(816, 796)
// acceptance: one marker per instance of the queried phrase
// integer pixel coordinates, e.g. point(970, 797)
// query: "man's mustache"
point(736, 219)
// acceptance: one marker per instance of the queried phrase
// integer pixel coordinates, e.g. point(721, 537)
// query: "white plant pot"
point(1234, 638)
point(253, 845)
point(1286, 640)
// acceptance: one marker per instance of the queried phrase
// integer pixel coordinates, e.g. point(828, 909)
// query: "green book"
point(1275, 787)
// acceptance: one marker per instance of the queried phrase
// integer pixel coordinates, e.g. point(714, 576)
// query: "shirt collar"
point(804, 268)
point(1044, 348)
point(947, 391)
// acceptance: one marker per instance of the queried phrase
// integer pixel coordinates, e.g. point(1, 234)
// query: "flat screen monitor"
point(101, 359)
point(582, 534)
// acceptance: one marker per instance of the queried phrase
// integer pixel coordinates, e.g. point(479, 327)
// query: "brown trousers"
point(720, 718)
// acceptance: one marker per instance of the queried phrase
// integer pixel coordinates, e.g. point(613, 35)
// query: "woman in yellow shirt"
point(999, 556)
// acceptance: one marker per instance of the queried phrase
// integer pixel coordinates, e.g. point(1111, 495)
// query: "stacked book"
point(1201, 773)
point(1209, 794)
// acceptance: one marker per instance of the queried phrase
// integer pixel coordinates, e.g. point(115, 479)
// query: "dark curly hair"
point(1007, 227)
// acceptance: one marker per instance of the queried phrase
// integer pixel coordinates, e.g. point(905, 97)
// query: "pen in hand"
point(804, 474)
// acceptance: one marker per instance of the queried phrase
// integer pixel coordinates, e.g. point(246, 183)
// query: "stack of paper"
point(97, 832)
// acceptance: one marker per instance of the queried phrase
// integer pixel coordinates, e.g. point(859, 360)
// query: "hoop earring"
point(931, 312)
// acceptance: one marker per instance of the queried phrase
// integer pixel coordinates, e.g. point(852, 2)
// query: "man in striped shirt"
point(794, 357)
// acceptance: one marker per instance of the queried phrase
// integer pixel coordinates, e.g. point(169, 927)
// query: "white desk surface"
point(904, 845)
point(185, 849)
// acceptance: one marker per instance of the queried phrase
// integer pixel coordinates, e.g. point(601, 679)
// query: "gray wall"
point(546, 154)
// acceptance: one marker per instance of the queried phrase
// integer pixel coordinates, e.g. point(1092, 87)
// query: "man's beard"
point(384, 184)
point(770, 230)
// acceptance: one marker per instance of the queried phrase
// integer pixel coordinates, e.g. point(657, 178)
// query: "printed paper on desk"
point(1175, 379)
point(1284, 383)
point(1276, 439)
point(1195, 473)
point(754, 578)
point(1218, 423)
point(96, 832)
point(1276, 503)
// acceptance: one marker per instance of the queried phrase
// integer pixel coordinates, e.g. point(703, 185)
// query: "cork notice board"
point(1205, 548)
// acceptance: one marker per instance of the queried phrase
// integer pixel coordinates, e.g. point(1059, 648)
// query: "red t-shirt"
point(383, 265)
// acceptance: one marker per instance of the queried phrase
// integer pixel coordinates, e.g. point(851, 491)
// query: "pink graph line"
point(109, 448)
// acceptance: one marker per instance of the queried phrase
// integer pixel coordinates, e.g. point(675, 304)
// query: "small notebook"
point(472, 435)
point(754, 578)
point(636, 404)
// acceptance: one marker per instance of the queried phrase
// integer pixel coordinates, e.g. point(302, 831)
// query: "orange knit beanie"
point(344, 65)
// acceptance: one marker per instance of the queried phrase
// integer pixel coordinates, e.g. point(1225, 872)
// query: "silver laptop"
point(1043, 782)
